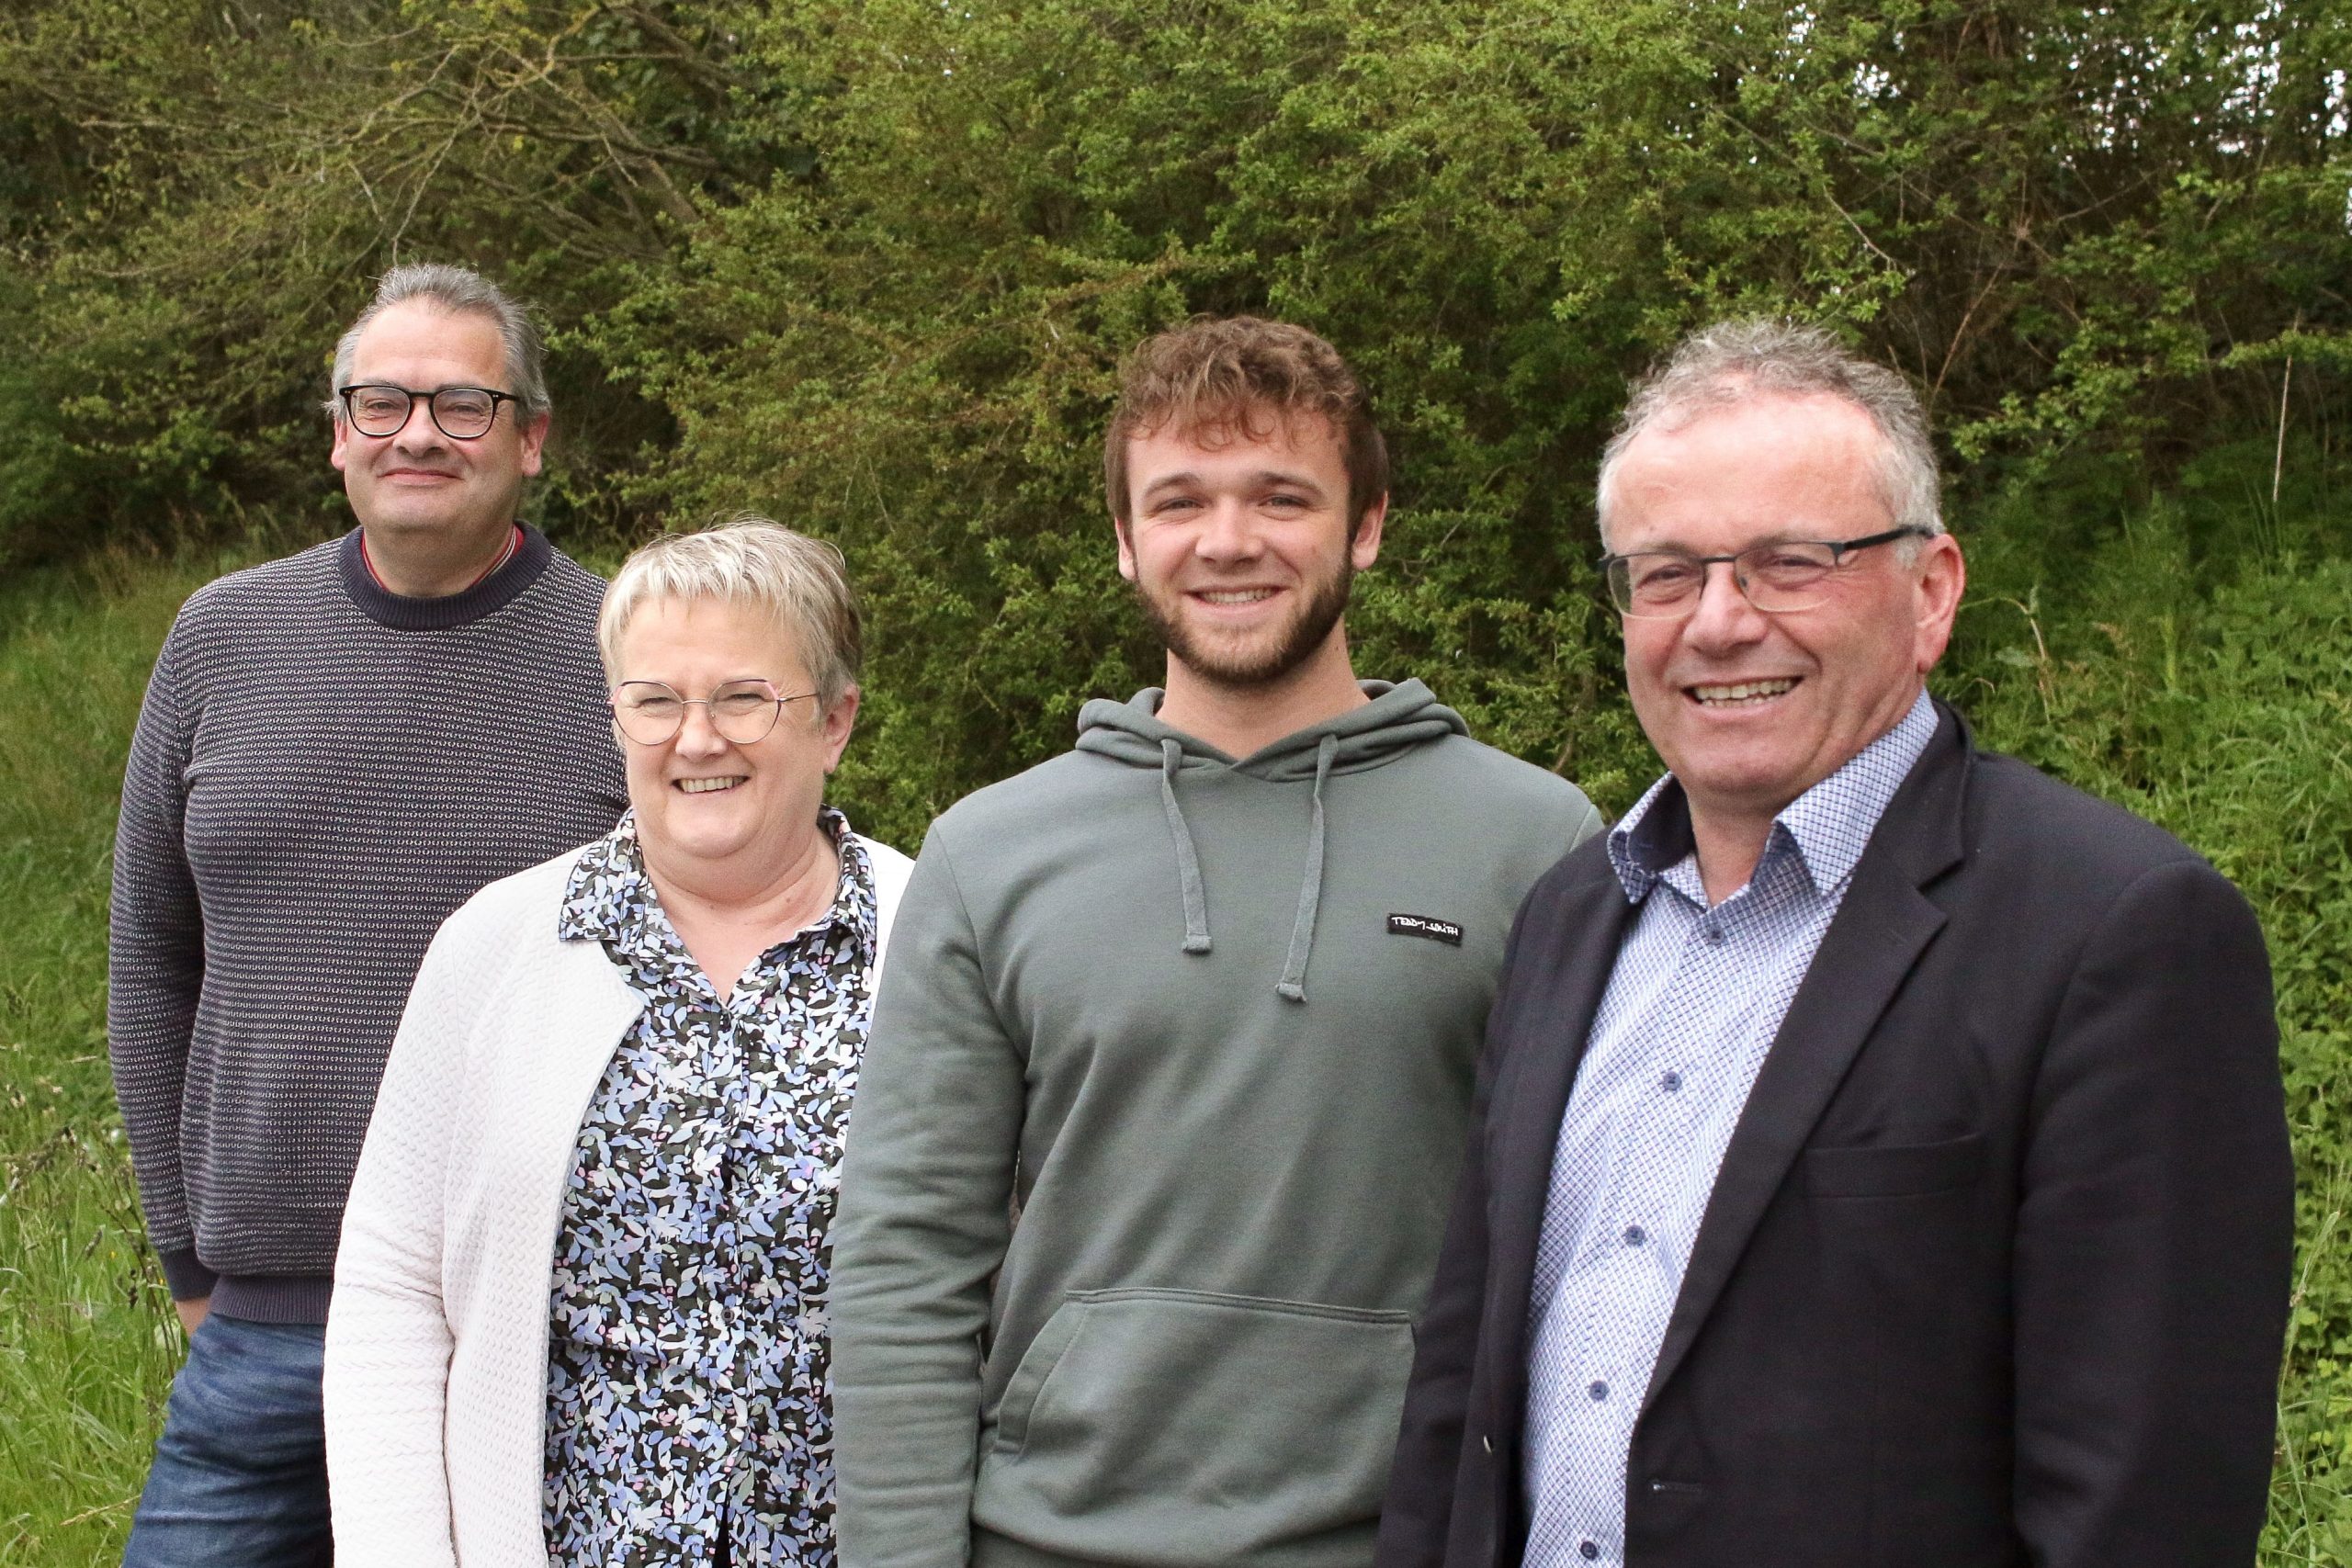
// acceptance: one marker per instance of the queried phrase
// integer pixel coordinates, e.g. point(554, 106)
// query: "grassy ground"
point(2222, 715)
point(88, 1341)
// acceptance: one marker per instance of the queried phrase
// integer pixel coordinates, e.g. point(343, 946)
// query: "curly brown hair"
point(1236, 377)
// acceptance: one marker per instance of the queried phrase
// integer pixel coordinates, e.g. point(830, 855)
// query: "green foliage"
point(909, 345)
point(870, 267)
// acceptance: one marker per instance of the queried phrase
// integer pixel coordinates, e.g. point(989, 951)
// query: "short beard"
point(1308, 633)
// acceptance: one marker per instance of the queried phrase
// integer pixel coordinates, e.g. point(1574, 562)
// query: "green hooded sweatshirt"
point(1155, 1133)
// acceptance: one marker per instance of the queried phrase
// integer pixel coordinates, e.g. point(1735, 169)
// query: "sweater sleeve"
point(155, 964)
point(389, 1339)
point(923, 1223)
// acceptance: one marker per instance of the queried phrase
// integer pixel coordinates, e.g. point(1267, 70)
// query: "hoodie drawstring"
point(1188, 864)
point(1292, 985)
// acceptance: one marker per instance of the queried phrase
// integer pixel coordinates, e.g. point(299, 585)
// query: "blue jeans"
point(240, 1478)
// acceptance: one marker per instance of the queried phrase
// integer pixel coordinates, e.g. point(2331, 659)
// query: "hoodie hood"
point(1397, 719)
point(1400, 717)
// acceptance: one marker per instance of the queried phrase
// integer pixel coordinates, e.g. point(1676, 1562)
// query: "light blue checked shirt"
point(1691, 1009)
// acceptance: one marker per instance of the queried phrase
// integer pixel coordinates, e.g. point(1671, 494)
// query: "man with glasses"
point(336, 750)
point(1881, 1155)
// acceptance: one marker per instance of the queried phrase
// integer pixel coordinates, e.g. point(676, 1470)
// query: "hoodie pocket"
point(1186, 1426)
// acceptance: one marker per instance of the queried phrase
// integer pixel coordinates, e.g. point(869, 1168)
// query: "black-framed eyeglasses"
point(651, 714)
point(461, 413)
point(1776, 576)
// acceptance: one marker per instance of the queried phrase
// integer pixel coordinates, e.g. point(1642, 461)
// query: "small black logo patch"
point(1429, 926)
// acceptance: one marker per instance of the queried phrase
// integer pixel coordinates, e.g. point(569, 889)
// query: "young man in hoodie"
point(1200, 1000)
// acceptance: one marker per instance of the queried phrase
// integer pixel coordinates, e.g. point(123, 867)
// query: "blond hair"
point(756, 561)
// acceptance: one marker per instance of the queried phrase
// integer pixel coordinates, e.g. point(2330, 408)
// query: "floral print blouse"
point(688, 1416)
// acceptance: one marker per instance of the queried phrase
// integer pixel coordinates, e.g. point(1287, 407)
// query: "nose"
point(417, 433)
point(697, 737)
point(1725, 619)
point(1226, 534)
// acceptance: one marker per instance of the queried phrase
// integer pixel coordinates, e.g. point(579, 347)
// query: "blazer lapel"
point(1550, 1021)
point(1870, 947)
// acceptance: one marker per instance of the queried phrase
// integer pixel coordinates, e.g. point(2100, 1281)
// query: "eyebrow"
point(1798, 535)
point(1263, 479)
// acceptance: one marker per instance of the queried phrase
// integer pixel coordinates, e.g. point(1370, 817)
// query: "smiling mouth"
point(709, 786)
point(1742, 694)
point(1234, 595)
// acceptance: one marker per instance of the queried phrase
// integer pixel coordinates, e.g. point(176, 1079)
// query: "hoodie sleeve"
point(923, 1222)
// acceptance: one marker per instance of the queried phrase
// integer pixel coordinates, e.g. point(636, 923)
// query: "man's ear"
point(535, 440)
point(1942, 578)
point(1127, 548)
point(1365, 547)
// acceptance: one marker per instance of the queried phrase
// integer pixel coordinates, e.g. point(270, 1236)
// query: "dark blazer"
point(1996, 1269)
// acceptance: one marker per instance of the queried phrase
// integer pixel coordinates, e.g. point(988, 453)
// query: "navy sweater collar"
point(400, 613)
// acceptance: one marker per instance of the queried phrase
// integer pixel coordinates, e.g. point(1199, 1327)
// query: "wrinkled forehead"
point(423, 332)
point(1771, 466)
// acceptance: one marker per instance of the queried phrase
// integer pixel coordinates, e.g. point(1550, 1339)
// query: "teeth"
point(1746, 691)
point(1239, 596)
point(707, 786)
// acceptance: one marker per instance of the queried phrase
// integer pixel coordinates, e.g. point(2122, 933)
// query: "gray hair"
point(750, 561)
point(1728, 364)
point(459, 292)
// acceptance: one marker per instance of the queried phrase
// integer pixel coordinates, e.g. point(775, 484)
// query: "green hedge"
point(868, 267)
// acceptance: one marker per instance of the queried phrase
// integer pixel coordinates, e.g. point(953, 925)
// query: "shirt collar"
point(1826, 828)
point(609, 898)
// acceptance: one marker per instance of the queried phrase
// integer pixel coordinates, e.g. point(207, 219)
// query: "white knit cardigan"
point(437, 1350)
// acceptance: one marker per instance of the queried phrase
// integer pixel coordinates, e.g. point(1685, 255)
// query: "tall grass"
point(87, 1339)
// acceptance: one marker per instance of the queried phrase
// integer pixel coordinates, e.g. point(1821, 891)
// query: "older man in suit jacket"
point(1880, 1156)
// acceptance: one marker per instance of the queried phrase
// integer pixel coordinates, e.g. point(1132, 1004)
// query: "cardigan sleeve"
point(388, 1338)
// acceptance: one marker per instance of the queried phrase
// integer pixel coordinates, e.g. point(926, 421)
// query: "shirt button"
point(1598, 1390)
point(1635, 1235)
point(1671, 1082)
point(1587, 1550)
point(1715, 936)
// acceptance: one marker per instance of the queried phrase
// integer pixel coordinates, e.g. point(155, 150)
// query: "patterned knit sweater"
point(323, 771)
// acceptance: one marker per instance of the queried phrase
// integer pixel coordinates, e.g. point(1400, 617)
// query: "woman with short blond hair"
point(580, 1308)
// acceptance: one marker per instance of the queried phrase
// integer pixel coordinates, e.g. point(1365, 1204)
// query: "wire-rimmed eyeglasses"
point(651, 714)
point(461, 413)
point(1776, 576)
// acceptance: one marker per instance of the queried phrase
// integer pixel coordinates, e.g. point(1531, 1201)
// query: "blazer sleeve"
point(2154, 1240)
point(388, 1338)
point(925, 1218)
point(1417, 1517)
